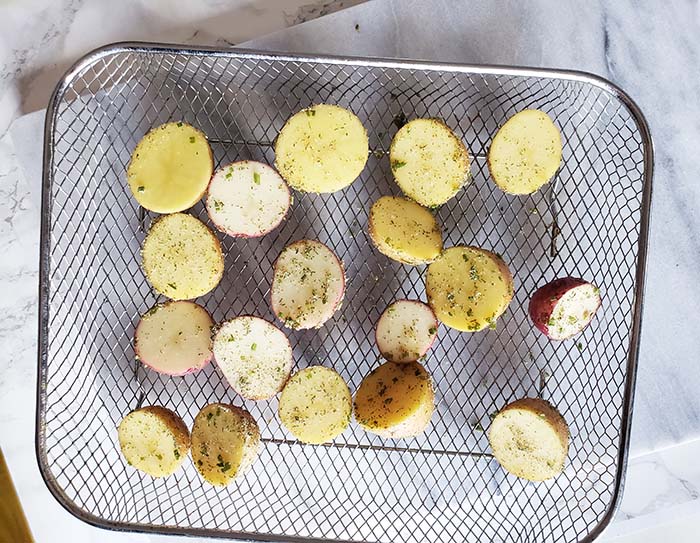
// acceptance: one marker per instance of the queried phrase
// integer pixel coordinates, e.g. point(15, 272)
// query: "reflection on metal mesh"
point(441, 486)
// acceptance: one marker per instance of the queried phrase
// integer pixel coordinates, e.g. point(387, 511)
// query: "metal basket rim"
point(160, 48)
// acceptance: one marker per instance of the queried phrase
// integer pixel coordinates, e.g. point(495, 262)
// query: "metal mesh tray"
point(591, 221)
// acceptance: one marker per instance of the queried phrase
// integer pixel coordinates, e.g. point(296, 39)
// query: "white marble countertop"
point(649, 49)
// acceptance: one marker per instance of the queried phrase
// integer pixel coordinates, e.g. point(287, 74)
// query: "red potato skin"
point(239, 234)
point(546, 297)
point(193, 369)
point(289, 373)
point(435, 320)
point(337, 304)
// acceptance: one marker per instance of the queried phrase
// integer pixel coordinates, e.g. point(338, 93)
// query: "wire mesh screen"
point(441, 486)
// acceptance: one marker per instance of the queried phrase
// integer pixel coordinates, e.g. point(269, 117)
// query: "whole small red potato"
point(564, 307)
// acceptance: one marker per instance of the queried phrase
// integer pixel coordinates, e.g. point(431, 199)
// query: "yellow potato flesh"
point(404, 231)
point(225, 441)
point(429, 162)
point(321, 149)
point(170, 168)
point(395, 400)
point(525, 152)
point(154, 440)
point(530, 439)
point(469, 288)
point(181, 257)
point(315, 405)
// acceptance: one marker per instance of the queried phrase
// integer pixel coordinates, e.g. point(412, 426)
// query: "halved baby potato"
point(530, 439)
point(154, 440)
point(404, 231)
point(395, 400)
point(254, 356)
point(174, 338)
point(315, 405)
point(429, 162)
point(182, 258)
point(247, 199)
point(225, 442)
point(321, 149)
point(170, 168)
point(525, 152)
point(469, 288)
point(564, 307)
point(406, 330)
point(308, 284)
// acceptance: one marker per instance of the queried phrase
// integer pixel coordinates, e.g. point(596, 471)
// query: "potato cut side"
point(174, 338)
point(315, 405)
point(404, 231)
point(406, 330)
point(395, 400)
point(182, 258)
point(525, 152)
point(321, 149)
point(308, 284)
point(225, 442)
point(469, 288)
point(530, 439)
point(254, 356)
point(154, 440)
point(247, 199)
point(564, 307)
point(429, 162)
point(170, 168)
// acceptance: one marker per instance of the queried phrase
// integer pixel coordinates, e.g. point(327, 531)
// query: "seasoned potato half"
point(254, 356)
point(469, 288)
point(525, 152)
point(225, 442)
point(174, 338)
point(429, 162)
point(170, 168)
point(395, 400)
point(247, 199)
point(308, 284)
point(404, 231)
point(564, 307)
point(315, 405)
point(182, 258)
point(530, 439)
point(321, 149)
point(154, 440)
point(406, 330)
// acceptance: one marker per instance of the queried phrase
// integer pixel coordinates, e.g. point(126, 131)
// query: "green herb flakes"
point(223, 466)
point(473, 273)
point(256, 178)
